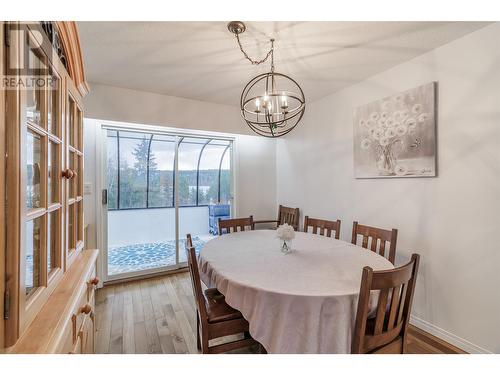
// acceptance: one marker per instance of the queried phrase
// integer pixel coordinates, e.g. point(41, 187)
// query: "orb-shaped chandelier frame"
point(274, 117)
point(270, 108)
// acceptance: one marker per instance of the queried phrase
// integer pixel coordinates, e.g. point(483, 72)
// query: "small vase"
point(286, 247)
point(387, 161)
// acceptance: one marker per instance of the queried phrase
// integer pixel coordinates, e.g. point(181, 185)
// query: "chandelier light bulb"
point(284, 103)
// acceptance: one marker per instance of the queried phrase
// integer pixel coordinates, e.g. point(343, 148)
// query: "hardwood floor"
point(158, 316)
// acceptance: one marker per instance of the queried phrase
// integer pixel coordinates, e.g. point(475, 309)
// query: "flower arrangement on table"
point(286, 233)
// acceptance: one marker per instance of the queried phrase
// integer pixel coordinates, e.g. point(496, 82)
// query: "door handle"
point(104, 196)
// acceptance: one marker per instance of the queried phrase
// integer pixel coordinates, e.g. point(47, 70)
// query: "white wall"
point(452, 220)
point(126, 105)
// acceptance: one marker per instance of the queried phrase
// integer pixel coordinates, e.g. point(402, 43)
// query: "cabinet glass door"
point(41, 195)
point(74, 177)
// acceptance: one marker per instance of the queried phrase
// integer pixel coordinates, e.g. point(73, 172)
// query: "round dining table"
point(301, 302)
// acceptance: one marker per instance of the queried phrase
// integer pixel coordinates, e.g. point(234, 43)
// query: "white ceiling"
point(201, 60)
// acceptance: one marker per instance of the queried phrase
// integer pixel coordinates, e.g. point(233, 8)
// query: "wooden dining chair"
point(286, 215)
point(225, 225)
point(386, 332)
point(325, 227)
point(378, 237)
point(214, 317)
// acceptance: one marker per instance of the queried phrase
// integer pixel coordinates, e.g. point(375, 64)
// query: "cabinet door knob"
point(94, 281)
point(74, 173)
point(68, 173)
point(87, 309)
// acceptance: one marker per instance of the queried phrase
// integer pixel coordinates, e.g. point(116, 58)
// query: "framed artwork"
point(396, 136)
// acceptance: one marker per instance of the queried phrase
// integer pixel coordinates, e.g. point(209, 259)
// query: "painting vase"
point(387, 161)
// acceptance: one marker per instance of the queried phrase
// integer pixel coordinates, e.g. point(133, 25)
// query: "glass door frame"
point(101, 186)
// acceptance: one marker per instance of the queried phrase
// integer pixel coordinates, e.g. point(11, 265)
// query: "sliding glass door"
point(160, 187)
point(204, 170)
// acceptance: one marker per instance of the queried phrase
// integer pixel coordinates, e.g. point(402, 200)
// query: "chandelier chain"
point(258, 62)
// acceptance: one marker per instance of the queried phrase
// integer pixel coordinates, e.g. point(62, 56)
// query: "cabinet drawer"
point(87, 334)
point(92, 283)
point(85, 308)
point(77, 347)
point(79, 331)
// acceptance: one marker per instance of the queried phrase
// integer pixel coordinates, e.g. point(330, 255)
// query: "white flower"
point(285, 232)
point(365, 144)
point(362, 123)
point(384, 141)
point(400, 170)
point(417, 108)
point(389, 133)
point(374, 116)
point(422, 117)
point(412, 129)
point(378, 133)
point(401, 130)
point(411, 122)
point(384, 116)
point(370, 124)
point(389, 122)
point(398, 98)
point(381, 122)
point(404, 114)
point(396, 116)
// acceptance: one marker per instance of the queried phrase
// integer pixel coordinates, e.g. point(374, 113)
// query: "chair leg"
point(198, 341)
point(204, 345)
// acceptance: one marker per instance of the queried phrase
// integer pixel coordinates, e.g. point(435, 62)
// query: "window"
point(141, 170)
point(112, 169)
point(161, 171)
point(209, 172)
point(133, 159)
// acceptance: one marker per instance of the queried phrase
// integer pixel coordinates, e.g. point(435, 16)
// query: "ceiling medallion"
point(272, 104)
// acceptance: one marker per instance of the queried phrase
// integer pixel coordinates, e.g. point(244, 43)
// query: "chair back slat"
point(225, 226)
point(396, 288)
point(402, 302)
point(394, 306)
point(324, 227)
point(365, 242)
point(289, 216)
point(381, 308)
point(381, 250)
point(195, 278)
point(379, 238)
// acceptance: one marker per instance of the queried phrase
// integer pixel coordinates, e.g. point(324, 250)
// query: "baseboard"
point(448, 337)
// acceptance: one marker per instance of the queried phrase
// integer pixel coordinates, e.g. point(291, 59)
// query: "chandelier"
point(272, 103)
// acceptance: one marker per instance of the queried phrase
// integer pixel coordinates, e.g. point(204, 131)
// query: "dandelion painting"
point(396, 136)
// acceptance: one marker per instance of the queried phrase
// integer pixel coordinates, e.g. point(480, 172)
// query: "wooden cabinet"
point(44, 189)
point(65, 324)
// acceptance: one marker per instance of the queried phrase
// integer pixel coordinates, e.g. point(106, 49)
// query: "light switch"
point(87, 189)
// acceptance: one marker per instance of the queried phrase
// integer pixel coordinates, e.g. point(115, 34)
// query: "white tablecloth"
point(302, 302)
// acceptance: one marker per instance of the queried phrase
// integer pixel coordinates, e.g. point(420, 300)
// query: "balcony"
point(144, 239)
